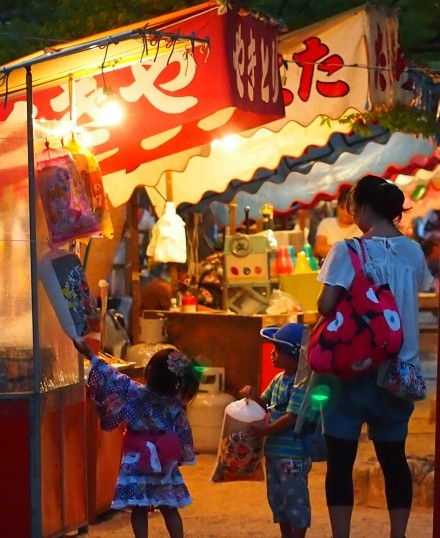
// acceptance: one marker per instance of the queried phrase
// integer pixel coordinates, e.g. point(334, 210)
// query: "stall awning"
point(193, 76)
point(322, 77)
point(344, 160)
point(208, 114)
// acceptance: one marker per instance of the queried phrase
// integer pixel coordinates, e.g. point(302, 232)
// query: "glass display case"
point(41, 377)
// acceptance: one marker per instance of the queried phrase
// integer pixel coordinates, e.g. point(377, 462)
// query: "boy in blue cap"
point(287, 466)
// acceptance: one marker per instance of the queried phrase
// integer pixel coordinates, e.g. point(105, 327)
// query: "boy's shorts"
point(287, 490)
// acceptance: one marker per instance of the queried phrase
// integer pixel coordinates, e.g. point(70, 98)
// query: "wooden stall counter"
point(429, 312)
point(221, 339)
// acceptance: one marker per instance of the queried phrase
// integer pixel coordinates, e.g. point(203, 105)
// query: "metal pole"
point(114, 39)
point(35, 426)
point(436, 513)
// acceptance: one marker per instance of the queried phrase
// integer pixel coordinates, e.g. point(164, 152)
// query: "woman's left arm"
point(329, 298)
point(336, 274)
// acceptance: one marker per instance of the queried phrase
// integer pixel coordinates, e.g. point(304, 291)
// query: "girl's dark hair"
point(383, 197)
point(163, 381)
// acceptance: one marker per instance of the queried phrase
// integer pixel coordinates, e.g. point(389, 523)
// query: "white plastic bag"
point(240, 454)
point(168, 240)
point(281, 302)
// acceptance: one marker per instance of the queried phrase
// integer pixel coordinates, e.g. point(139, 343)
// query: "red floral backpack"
point(363, 331)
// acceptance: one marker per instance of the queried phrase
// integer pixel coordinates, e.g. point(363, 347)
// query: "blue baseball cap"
point(288, 337)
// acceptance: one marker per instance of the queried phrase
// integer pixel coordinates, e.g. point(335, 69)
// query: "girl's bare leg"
point(173, 521)
point(287, 531)
point(139, 521)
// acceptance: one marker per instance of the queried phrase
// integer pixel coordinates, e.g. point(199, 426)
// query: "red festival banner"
point(176, 100)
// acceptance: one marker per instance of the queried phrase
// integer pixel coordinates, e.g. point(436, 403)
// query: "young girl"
point(158, 437)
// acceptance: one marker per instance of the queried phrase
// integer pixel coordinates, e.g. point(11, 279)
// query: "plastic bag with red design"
point(88, 169)
point(240, 454)
point(68, 213)
point(362, 332)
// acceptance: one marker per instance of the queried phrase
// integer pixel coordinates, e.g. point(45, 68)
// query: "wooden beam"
point(232, 215)
point(132, 267)
point(169, 185)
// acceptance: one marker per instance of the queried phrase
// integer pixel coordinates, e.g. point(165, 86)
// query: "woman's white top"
point(333, 232)
point(398, 261)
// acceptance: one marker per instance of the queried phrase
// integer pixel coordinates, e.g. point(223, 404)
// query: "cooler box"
point(304, 287)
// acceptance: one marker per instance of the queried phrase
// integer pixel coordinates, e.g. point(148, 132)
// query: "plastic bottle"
point(284, 263)
point(302, 265)
point(291, 250)
point(174, 306)
point(189, 303)
point(312, 261)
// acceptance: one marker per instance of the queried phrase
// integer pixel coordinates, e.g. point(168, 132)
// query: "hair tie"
point(177, 363)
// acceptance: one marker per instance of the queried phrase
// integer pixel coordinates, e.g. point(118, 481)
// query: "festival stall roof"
point(183, 79)
point(321, 77)
point(186, 95)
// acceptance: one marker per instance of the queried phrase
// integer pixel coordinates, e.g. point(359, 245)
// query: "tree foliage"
point(30, 25)
point(419, 22)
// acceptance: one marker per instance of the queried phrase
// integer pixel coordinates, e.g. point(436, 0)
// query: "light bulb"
point(110, 111)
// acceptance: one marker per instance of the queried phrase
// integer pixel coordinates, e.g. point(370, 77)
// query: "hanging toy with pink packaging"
point(88, 169)
point(68, 213)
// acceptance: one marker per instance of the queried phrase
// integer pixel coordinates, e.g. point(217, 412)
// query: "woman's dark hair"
point(343, 196)
point(162, 380)
point(383, 197)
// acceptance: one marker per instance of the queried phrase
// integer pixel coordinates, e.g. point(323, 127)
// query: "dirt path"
point(239, 510)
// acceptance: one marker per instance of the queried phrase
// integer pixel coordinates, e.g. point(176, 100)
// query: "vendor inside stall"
point(333, 229)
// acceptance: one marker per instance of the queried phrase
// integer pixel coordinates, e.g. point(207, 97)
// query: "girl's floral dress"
point(119, 399)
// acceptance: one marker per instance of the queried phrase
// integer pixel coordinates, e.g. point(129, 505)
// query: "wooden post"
point(172, 267)
point(132, 267)
point(169, 185)
point(232, 215)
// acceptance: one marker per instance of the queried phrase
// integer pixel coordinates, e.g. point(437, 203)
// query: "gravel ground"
point(240, 509)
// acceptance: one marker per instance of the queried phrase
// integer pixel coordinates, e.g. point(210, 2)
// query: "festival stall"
point(180, 78)
point(184, 80)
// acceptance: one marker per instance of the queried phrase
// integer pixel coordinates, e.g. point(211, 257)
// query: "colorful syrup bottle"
point(284, 263)
point(302, 265)
point(291, 250)
point(312, 261)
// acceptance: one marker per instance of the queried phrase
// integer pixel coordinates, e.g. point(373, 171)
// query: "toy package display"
point(65, 283)
point(240, 454)
point(67, 210)
point(88, 169)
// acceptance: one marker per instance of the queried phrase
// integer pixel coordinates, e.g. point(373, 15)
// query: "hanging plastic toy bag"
point(65, 205)
point(88, 169)
point(168, 239)
point(63, 278)
point(240, 454)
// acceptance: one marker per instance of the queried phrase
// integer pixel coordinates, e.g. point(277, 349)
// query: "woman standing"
point(392, 258)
